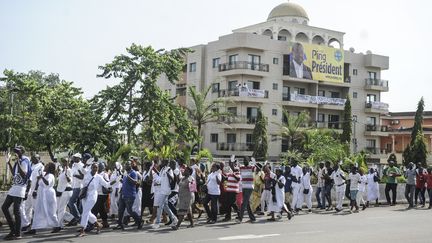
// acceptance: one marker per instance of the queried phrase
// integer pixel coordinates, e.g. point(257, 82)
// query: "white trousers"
point(340, 195)
point(306, 198)
point(265, 199)
point(87, 215)
point(360, 198)
point(297, 194)
point(62, 202)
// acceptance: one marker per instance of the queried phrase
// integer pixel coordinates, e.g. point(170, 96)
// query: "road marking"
point(246, 237)
point(310, 232)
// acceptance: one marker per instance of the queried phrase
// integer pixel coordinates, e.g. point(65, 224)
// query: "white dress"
point(280, 196)
point(115, 176)
point(372, 188)
point(45, 210)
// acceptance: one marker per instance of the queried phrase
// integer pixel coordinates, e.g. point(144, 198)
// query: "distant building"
point(396, 128)
point(261, 66)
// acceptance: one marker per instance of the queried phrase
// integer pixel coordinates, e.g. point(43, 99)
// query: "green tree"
point(320, 145)
point(203, 111)
point(415, 152)
point(259, 137)
point(138, 101)
point(293, 128)
point(346, 125)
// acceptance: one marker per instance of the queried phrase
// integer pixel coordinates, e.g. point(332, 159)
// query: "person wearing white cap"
point(77, 177)
point(115, 177)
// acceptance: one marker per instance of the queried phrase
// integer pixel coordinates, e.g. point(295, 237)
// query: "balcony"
point(376, 107)
point(376, 84)
point(234, 147)
point(376, 130)
point(310, 101)
point(238, 122)
point(243, 67)
point(335, 125)
point(241, 94)
point(376, 153)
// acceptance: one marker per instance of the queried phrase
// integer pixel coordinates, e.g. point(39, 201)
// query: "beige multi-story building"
point(256, 58)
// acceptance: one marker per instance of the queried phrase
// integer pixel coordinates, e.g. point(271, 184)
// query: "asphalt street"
point(381, 224)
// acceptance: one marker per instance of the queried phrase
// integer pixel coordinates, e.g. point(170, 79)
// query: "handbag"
point(107, 190)
point(306, 191)
point(83, 192)
point(193, 186)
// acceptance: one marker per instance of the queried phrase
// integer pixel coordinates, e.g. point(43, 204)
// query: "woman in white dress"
point(45, 210)
point(372, 187)
point(92, 181)
point(115, 177)
point(278, 198)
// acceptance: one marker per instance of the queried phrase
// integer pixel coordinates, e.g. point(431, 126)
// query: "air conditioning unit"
point(395, 122)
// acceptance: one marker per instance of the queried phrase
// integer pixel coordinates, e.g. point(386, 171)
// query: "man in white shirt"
point(77, 177)
point(338, 177)
point(297, 173)
point(20, 176)
point(29, 201)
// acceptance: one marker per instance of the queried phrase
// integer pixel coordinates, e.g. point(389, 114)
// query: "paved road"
point(382, 224)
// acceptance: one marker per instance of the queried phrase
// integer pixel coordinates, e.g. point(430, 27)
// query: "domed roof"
point(288, 10)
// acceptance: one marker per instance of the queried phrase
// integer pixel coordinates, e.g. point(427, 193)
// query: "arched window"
point(335, 43)
point(269, 33)
point(302, 37)
point(284, 35)
point(318, 40)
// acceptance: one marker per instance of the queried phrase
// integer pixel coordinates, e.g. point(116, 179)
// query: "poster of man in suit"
point(298, 68)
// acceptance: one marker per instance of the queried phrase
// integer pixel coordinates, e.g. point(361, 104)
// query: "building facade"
point(249, 68)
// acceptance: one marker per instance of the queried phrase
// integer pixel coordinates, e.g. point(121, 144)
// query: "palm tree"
point(203, 111)
point(293, 127)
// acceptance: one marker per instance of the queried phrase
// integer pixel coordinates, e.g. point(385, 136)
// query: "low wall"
point(400, 196)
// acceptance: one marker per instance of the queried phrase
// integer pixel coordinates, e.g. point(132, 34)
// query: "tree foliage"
point(293, 128)
point(346, 125)
point(259, 137)
point(138, 101)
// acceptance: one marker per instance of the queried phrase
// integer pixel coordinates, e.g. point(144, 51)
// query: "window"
point(232, 110)
point(285, 143)
point(253, 85)
point(371, 98)
point(274, 112)
point(321, 117)
point(333, 121)
point(232, 59)
point(216, 62)
point(232, 85)
point(321, 93)
point(275, 60)
point(282, 38)
point(372, 75)
point(192, 67)
point(371, 121)
point(215, 88)
point(355, 95)
point(285, 93)
point(275, 86)
point(214, 137)
point(248, 138)
point(335, 94)
point(355, 72)
point(370, 143)
point(231, 138)
point(252, 113)
point(254, 59)
point(301, 91)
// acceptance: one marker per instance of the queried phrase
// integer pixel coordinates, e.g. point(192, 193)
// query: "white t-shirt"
point(104, 176)
point(37, 169)
point(19, 184)
point(165, 187)
point(362, 185)
point(177, 173)
point(297, 172)
point(62, 180)
point(77, 183)
point(337, 177)
point(354, 181)
point(212, 186)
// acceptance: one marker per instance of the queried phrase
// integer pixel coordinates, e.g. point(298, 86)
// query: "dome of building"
point(288, 9)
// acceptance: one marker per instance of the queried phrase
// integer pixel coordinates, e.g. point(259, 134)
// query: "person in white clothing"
point(77, 177)
point(277, 202)
point(92, 181)
point(372, 187)
point(213, 192)
point(115, 177)
point(338, 177)
point(297, 173)
point(45, 208)
point(100, 208)
point(354, 178)
point(64, 188)
point(362, 189)
point(29, 202)
point(306, 189)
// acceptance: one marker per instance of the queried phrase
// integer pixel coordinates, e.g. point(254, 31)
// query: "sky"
point(74, 37)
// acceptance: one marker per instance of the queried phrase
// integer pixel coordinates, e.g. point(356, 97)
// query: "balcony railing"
point(376, 82)
point(243, 65)
point(253, 93)
point(377, 105)
point(376, 128)
point(329, 125)
point(234, 147)
point(320, 100)
point(376, 151)
point(239, 119)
